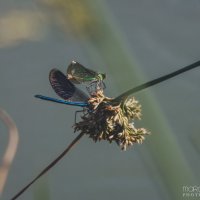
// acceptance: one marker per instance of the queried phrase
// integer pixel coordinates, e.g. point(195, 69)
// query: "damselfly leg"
point(84, 111)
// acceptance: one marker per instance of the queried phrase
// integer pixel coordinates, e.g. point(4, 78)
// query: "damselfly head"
point(101, 76)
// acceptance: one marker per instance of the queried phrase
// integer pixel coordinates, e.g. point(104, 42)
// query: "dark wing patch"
point(64, 88)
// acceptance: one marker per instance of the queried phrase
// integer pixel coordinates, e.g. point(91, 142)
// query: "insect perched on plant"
point(77, 74)
point(104, 118)
point(64, 87)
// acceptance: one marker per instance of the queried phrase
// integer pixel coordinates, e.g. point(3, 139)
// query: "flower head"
point(112, 121)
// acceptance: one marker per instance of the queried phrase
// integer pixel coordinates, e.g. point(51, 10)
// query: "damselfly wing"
point(77, 74)
point(66, 90)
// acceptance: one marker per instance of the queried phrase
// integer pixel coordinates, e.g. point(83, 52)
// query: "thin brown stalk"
point(11, 147)
point(46, 169)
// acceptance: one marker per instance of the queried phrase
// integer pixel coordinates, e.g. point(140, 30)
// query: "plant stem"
point(156, 81)
point(46, 169)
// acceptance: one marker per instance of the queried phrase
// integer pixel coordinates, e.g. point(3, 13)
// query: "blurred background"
point(132, 42)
